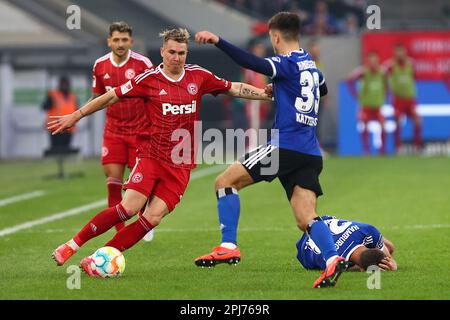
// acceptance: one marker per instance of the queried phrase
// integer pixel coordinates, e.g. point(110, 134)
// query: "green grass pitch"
point(407, 198)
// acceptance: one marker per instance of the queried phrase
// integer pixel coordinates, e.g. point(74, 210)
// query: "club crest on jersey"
point(137, 177)
point(130, 73)
point(105, 151)
point(192, 88)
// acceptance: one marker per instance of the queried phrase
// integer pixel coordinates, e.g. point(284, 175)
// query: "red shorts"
point(403, 106)
point(155, 177)
point(119, 150)
point(366, 114)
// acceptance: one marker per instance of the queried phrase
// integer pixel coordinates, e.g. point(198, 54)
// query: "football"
point(108, 262)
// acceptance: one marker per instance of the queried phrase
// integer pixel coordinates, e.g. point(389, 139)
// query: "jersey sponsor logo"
point(179, 109)
point(192, 88)
point(130, 73)
point(137, 177)
point(106, 76)
point(105, 151)
point(126, 87)
point(162, 92)
point(339, 242)
point(276, 59)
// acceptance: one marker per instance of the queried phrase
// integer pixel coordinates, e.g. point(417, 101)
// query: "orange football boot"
point(331, 274)
point(219, 255)
point(62, 254)
point(86, 266)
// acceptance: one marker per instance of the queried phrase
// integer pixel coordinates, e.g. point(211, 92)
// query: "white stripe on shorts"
point(253, 156)
point(260, 157)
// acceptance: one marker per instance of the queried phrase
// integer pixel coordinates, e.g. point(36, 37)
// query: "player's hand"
point(206, 37)
point(268, 89)
point(62, 123)
point(388, 264)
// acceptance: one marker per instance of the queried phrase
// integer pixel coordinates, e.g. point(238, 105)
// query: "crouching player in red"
point(173, 92)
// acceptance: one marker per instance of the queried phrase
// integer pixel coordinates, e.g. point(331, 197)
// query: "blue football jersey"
point(347, 237)
point(296, 81)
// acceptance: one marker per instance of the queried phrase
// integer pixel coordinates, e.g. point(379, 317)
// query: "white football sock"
point(73, 245)
point(228, 245)
point(330, 260)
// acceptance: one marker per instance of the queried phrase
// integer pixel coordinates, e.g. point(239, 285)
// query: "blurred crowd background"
point(38, 50)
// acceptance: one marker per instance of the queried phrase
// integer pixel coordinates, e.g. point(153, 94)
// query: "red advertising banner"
point(429, 49)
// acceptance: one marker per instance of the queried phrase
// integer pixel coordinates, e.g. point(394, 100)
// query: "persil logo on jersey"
point(179, 109)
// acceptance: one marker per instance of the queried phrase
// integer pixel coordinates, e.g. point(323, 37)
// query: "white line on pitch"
point(25, 196)
point(101, 203)
point(251, 229)
point(53, 217)
point(197, 174)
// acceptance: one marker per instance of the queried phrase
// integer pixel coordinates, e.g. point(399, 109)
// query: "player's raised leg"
point(398, 128)
point(227, 185)
point(417, 127)
point(364, 119)
point(127, 237)
point(303, 203)
point(114, 173)
point(132, 202)
point(381, 121)
point(131, 234)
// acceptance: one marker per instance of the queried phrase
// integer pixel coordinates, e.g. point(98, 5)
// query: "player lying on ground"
point(294, 150)
point(360, 243)
point(173, 92)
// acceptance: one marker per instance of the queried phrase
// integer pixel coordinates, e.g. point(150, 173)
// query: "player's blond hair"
point(177, 34)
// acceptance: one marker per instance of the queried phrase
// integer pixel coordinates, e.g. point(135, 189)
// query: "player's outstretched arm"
point(247, 91)
point(243, 58)
point(61, 123)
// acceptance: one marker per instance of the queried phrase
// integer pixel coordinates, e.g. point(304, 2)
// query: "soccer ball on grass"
point(108, 262)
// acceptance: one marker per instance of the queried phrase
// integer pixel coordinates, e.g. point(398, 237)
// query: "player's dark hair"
point(288, 23)
point(120, 26)
point(371, 257)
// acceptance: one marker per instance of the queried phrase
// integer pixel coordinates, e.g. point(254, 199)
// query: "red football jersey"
point(122, 118)
point(172, 108)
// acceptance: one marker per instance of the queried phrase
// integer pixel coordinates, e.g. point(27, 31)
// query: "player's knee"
point(154, 221)
point(152, 218)
point(222, 182)
point(130, 208)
